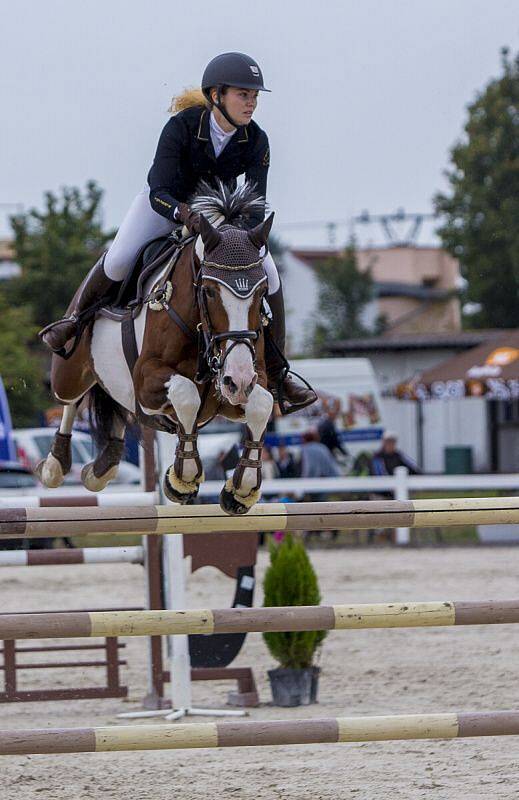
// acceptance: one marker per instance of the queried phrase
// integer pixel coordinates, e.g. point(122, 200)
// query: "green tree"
point(20, 367)
point(481, 209)
point(344, 292)
point(55, 248)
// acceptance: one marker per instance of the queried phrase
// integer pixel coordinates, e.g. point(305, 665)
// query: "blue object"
point(352, 435)
point(7, 447)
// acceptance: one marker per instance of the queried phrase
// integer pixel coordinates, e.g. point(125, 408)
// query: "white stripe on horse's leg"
point(118, 428)
point(67, 420)
point(183, 396)
point(257, 413)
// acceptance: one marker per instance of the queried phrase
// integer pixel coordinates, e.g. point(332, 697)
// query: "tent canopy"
point(490, 370)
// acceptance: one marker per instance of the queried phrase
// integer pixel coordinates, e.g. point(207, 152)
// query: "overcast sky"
point(367, 95)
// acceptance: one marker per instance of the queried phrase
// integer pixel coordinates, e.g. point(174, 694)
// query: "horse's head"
point(232, 285)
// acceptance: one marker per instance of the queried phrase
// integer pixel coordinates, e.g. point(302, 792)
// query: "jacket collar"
point(204, 135)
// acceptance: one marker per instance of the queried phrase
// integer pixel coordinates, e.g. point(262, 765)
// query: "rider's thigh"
point(140, 225)
point(272, 273)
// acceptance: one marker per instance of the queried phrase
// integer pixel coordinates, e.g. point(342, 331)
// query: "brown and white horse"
point(216, 289)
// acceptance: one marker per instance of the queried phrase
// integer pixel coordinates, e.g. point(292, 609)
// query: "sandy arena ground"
point(363, 672)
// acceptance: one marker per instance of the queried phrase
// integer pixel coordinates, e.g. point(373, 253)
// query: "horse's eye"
point(210, 293)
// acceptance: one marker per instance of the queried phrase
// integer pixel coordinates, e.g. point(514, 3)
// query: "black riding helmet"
point(231, 69)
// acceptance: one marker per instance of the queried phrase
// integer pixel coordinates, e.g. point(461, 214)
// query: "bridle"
point(213, 353)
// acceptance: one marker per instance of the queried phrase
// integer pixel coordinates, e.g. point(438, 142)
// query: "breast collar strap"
point(159, 295)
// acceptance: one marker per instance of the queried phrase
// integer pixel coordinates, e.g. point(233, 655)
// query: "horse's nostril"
point(228, 381)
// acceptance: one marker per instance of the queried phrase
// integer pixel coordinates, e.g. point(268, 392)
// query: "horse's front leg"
point(242, 491)
point(183, 478)
point(166, 391)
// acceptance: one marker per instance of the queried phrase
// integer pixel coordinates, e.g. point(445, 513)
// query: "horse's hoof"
point(91, 482)
point(50, 472)
point(235, 504)
point(231, 505)
point(183, 498)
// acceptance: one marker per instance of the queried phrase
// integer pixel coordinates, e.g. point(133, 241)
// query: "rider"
point(211, 136)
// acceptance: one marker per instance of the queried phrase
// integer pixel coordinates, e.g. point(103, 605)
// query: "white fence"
point(401, 484)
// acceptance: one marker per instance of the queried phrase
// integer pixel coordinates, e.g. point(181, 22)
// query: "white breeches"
point(141, 225)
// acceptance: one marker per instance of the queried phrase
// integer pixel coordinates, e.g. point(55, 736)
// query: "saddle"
point(152, 256)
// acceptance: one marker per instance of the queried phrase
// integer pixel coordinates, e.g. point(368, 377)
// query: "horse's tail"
point(104, 413)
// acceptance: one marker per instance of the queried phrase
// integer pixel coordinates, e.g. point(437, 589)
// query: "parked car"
point(14, 479)
point(33, 444)
point(15, 476)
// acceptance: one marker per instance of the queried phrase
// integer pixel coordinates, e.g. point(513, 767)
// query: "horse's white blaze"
point(183, 396)
point(257, 414)
point(239, 365)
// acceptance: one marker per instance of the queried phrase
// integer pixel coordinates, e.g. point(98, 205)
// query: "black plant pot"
point(294, 687)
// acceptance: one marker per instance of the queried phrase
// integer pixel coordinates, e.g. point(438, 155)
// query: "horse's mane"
point(215, 202)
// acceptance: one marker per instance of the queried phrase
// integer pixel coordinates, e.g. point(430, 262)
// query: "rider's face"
point(240, 104)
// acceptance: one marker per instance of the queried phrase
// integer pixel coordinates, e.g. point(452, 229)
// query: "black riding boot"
point(95, 286)
point(291, 396)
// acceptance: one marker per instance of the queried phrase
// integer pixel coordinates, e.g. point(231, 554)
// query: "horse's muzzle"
point(236, 390)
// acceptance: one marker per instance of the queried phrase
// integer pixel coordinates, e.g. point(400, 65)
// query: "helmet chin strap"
point(221, 108)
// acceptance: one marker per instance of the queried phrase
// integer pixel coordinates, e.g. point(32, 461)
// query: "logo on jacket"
point(242, 284)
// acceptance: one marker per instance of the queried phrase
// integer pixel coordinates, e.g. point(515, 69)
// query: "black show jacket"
point(185, 156)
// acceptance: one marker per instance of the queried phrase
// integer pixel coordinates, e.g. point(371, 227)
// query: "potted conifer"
point(290, 580)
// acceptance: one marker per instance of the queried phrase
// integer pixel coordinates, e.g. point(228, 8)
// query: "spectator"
point(362, 464)
point(384, 462)
point(286, 463)
point(215, 470)
point(316, 459)
point(328, 434)
point(317, 462)
point(269, 469)
point(388, 458)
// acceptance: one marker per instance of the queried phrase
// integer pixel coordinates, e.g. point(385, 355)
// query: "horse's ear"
point(260, 234)
point(211, 237)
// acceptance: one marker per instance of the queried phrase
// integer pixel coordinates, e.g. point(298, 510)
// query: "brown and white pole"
point(333, 730)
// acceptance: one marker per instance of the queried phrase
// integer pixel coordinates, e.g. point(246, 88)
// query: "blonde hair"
point(189, 98)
